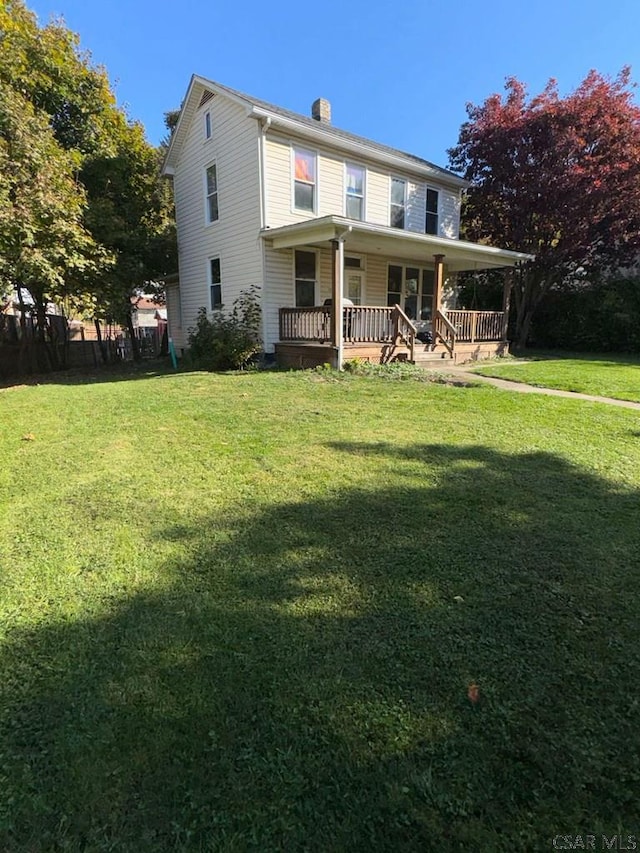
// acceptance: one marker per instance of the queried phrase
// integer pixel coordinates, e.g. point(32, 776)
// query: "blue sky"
point(400, 73)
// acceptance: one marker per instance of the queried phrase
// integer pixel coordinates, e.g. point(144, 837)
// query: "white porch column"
point(506, 301)
point(337, 333)
point(438, 282)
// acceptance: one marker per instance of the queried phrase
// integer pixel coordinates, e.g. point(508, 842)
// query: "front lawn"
point(603, 375)
point(244, 612)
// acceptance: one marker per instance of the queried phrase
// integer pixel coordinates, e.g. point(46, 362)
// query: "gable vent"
point(206, 97)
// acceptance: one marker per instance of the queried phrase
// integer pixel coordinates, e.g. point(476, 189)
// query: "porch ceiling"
point(392, 242)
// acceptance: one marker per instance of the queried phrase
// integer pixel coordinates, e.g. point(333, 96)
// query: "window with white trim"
point(304, 179)
point(305, 275)
point(215, 284)
point(431, 221)
point(211, 191)
point(398, 206)
point(207, 125)
point(354, 191)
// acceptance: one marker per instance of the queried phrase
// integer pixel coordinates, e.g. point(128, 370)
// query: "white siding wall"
point(449, 214)
point(329, 187)
point(234, 237)
point(279, 292)
point(173, 316)
point(331, 190)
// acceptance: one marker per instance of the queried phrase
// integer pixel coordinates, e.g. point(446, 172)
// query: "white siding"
point(280, 286)
point(449, 225)
point(331, 189)
point(234, 237)
point(279, 183)
point(416, 207)
point(278, 292)
point(378, 196)
point(174, 316)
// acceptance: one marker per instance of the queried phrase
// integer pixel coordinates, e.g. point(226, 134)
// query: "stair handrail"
point(404, 329)
point(449, 342)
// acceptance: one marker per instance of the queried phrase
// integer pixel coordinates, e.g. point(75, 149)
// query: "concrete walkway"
point(463, 372)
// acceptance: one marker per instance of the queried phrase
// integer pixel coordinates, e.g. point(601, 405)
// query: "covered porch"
point(405, 314)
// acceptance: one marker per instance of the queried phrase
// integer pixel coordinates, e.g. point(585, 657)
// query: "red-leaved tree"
point(557, 177)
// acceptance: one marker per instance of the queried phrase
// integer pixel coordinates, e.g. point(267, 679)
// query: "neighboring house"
point(314, 215)
point(149, 322)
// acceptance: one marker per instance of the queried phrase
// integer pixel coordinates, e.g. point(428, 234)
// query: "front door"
point(412, 289)
point(354, 286)
point(354, 279)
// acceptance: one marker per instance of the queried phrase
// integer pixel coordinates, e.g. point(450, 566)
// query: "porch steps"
point(431, 357)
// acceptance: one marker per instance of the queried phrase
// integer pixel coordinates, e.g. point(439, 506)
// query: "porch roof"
point(369, 238)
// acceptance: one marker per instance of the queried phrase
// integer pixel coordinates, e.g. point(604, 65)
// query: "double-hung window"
point(398, 203)
point(431, 222)
point(215, 284)
point(305, 273)
point(354, 195)
point(212, 193)
point(304, 180)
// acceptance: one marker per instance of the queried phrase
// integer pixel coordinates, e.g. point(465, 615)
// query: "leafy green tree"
point(44, 244)
point(112, 224)
point(130, 211)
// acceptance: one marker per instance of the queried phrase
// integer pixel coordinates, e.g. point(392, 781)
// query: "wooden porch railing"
point(368, 324)
point(361, 324)
point(382, 324)
point(305, 324)
point(477, 326)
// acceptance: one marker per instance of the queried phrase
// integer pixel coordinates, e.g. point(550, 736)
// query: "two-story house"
point(351, 242)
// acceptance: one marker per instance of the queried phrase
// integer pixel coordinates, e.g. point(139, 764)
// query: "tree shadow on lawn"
point(300, 681)
point(104, 373)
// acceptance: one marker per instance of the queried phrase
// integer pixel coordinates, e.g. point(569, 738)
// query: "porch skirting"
point(301, 355)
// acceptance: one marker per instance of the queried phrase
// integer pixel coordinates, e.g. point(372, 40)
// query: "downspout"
point(264, 126)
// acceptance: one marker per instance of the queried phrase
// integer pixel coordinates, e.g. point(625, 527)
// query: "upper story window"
point(215, 284)
point(304, 180)
point(207, 125)
point(305, 273)
point(354, 196)
point(212, 193)
point(431, 222)
point(398, 206)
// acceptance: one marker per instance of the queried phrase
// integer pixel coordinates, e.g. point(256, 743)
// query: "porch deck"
point(383, 334)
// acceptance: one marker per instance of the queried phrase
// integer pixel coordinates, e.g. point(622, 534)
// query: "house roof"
point(302, 124)
point(392, 242)
point(144, 303)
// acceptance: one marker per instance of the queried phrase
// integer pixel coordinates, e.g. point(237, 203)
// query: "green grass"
point(604, 376)
point(230, 620)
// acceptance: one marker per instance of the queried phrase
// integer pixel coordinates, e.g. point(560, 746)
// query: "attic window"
point(207, 124)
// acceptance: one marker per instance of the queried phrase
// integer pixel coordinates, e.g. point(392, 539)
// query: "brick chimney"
point(321, 111)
